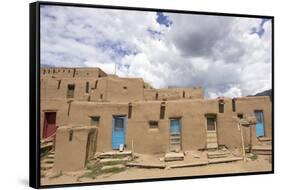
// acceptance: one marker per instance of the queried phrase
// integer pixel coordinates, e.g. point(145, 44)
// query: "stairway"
point(212, 141)
point(175, 142)
point(264, 147)
point(47, 162)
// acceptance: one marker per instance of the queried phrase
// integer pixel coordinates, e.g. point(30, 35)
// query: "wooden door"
point(49, 124)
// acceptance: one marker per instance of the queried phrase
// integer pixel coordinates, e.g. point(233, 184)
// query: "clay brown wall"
point(174, 93)
point(191, 113)
point(71, 152)
point(247, 106)
point(124, 89)
point(58, 106)
point(61, 72)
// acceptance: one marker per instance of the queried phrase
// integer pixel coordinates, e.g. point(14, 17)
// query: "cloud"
point(224, 55)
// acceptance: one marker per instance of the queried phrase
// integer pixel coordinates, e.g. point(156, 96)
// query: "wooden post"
point(242, 141)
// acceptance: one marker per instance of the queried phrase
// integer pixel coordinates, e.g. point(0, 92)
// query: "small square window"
point(153, 125)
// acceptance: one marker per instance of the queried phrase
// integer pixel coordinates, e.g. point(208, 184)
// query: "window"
point(211, 126)
point(240, 115)
point(70, 135)
point(221, 106)
point(59, 82)
point(130, 110)
point(87, 87)
point(183, 94)
point(101, 96)
point(153, 124)
point(162, 110)
point(96, 84)
point(233, 105)
point(125, 87)
point(156, 96)
point(70, 90)
point(95, 120)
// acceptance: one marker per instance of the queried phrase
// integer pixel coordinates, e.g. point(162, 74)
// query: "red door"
point(49, 124)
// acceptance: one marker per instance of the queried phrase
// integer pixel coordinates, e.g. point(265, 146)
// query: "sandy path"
point(262, 164)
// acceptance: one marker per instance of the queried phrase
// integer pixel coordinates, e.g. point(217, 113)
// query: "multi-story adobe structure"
point(129, 112)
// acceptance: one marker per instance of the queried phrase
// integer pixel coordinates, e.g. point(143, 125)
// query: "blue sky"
point(227, 56)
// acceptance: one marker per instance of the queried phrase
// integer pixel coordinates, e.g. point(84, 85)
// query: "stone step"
point(210, 135)
point(47, 160)
point(175, 143)
point(224, 160)
point(46, 145)
point(188, 165)
point(213, 140)
point(50, 156)
point(212, 145)
point(262, 150)
point(146, 165)
point(114, 154)
point(174, 156)
point(217, 154)
point(108, 160)
point(118, 166)
point(46, 166)
point(264, 139)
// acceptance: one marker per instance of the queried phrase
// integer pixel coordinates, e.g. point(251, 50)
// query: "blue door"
point(118, 131)
point(259, 124)
point(175, 126)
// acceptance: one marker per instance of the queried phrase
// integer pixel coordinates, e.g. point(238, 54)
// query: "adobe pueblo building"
point(89, 111)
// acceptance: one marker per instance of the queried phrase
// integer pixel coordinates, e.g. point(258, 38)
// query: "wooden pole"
point(242, 141)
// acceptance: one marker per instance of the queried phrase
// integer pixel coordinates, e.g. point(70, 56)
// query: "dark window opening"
point(95, 120)
point(183, 94)
point(156, 96)
point(96, 84)
point(153, 124)
point(101, 96)
point(233, 105)
point(125, 87)
point(70, 90)
point(221, 107)
point(162, 111)
point(59, 82)
point(130, 110)
point(87, 87)
point(70, 135)
point(240, 115)
point(211, 126)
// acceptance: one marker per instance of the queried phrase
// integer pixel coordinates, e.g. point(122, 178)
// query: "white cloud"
point(217, 53)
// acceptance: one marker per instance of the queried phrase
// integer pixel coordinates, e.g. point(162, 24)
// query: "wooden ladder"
point(175, 141)
point(212, 141)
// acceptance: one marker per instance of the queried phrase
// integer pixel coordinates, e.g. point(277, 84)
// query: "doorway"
point(118, 131)
point(49, 124)
point(260, 123)
point(175, 134)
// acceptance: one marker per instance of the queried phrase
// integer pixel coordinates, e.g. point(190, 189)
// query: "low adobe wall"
point(74, 145)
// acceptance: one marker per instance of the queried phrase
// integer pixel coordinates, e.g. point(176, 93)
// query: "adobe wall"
point(58, 106)
point(193, 123)
point(63, 72)
point(174, 93)
point(72, 147)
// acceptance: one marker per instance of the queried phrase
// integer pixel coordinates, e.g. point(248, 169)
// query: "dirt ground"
point(260, 164)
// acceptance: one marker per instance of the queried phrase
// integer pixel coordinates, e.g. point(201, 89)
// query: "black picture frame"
point(34, 91)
